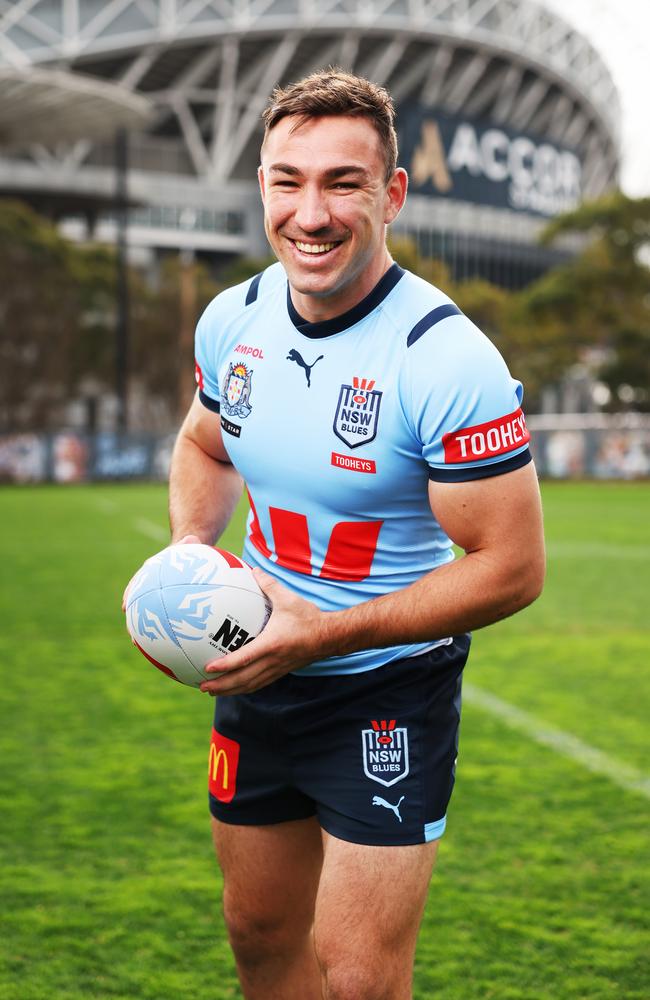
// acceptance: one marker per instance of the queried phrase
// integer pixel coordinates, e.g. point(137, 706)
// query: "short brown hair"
point(335, 92)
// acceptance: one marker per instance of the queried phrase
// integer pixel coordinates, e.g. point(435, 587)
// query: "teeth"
point(314, 247)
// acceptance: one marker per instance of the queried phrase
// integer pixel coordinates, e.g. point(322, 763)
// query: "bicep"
point(501, 515)
point(203, 428)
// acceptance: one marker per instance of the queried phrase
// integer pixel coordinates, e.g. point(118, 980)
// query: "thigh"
point(369, 908)
point(271, 874)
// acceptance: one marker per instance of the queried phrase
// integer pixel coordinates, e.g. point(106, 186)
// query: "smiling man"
point(373, 425)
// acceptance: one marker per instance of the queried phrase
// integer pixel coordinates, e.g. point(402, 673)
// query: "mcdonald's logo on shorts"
point(222, 767)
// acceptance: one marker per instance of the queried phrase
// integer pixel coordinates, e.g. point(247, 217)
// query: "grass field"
point(109, 889)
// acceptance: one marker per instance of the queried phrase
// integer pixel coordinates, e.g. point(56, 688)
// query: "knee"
point(354, 980)
point(257, 934)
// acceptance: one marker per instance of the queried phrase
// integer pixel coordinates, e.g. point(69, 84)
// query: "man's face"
point(326, 205)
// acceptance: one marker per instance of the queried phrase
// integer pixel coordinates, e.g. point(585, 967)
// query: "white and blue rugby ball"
point(191, 604)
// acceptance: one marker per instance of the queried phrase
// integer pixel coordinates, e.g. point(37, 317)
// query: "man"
point(372, 423)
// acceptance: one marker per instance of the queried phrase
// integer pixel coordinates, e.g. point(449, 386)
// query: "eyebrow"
point(286, 168)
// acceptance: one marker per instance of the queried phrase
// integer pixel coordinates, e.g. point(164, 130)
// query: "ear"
point(395, 194)
point(260, 178)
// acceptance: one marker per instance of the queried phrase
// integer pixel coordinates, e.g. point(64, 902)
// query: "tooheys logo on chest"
point(357, 412)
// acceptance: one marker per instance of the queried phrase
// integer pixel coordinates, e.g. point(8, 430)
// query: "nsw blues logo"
point(236, 390)
point(385, 752)
point(357, 413)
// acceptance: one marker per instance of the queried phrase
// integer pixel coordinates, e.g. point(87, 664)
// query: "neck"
point(316, 309)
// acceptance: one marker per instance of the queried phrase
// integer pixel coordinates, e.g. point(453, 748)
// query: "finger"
point(225, 664)
point(241, 658)
point(246, 677)
point(235, 685)
point(262, 577)
point(268, 583)
point(188, 540)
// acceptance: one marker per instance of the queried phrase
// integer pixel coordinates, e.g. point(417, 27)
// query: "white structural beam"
point(191, 133)
point(249, 120)
point(509, 93)
point(548, 110)
point(529, 102)
point(483, 96)
point(349, 49)
point(139, 67)
point(577, 130)
point(436, 75)
point(462, 86)
point(380, 67)
point(223, 121)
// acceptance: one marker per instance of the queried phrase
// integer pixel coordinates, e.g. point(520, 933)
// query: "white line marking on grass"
point(105, 505)
point(141, 524)
point(562, 742)
point(597, 550)
point(151, 529)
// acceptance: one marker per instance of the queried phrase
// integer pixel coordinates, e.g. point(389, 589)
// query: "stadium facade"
point(506, 115)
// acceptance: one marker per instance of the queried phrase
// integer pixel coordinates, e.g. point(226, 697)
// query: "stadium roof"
point(50, 106)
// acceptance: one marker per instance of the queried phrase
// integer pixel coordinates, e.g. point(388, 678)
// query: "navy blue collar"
point(327, 327)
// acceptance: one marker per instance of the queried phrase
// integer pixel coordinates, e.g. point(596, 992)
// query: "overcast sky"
point(620, 31)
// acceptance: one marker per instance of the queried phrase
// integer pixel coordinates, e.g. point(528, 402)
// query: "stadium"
point(506, 117)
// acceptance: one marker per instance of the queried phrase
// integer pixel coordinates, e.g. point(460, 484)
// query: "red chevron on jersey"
point(496, 437)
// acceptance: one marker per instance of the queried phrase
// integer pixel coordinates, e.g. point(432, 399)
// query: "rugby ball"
point(191, 604)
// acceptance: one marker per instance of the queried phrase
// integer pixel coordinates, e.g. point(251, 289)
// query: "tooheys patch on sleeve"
point(495, 437)
point(198, 375)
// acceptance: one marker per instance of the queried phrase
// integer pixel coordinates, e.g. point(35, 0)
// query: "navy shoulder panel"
point(209, 402)
point(421, 327)
point(251, 294)
point(453, 475)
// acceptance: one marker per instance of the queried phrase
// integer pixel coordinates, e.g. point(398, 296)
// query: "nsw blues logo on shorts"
point(385, 752)
point(357, 413)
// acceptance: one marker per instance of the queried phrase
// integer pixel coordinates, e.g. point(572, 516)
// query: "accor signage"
point(476, 161)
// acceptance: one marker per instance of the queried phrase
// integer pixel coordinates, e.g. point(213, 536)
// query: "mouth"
point(315, 249)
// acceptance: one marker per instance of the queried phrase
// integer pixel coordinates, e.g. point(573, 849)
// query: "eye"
point(345, 185)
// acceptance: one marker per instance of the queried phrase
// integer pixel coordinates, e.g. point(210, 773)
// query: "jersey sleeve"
point(464, 406)
point(205, 363)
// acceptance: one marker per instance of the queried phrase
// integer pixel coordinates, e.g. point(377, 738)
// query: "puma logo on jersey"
point(297, 357)
point(378, 801)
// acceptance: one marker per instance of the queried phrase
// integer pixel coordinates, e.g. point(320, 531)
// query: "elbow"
point(530, 582)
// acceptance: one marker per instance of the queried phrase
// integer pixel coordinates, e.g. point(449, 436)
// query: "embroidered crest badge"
point(236, 390)
point(385, 752)
point(357, 413)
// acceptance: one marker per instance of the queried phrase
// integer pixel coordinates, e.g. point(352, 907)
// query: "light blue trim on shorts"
point(434, 830)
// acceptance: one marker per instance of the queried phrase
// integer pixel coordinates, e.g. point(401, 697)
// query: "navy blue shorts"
point(372, 755)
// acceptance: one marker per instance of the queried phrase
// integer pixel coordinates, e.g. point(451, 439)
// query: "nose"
point(312, 212)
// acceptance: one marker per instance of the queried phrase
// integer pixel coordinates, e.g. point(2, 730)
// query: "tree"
point(598, 299)
point(54, 305)
point(601, 298)
point(161, 358)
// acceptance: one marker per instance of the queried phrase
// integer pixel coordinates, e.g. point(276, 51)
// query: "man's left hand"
point(294, 636)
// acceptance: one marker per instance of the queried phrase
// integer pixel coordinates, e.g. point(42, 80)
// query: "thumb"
point(266, 582)
point(187, 540)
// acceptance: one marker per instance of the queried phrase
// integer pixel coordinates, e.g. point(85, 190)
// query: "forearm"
point(471, 592)
point(203, 492)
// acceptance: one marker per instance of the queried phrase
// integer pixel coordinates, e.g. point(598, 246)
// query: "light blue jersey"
point(337, 427)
